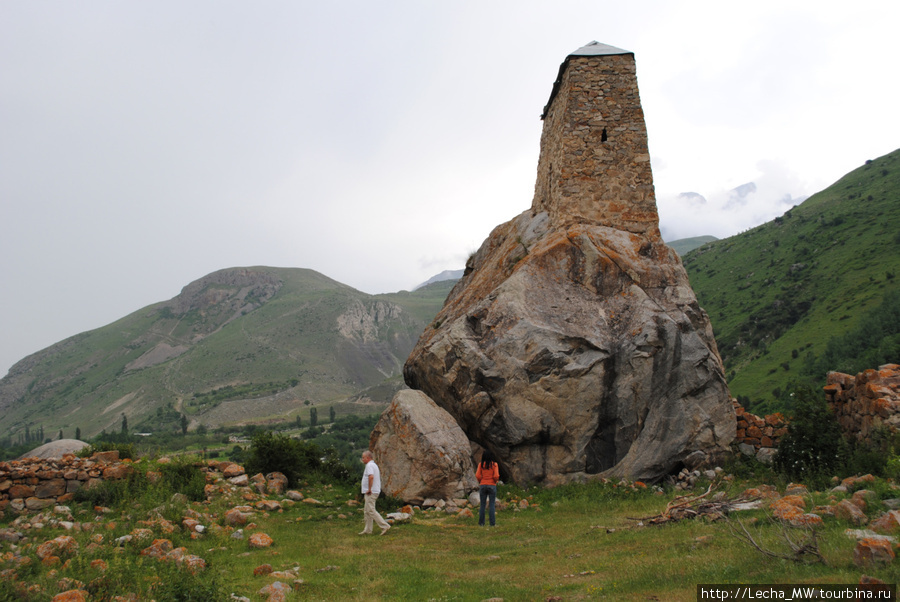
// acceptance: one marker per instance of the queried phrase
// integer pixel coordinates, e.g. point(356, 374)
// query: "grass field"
point(577, 542)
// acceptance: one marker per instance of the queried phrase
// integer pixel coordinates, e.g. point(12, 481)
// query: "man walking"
point(371, 487)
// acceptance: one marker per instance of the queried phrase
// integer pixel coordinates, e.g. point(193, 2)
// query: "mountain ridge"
point(290, 334)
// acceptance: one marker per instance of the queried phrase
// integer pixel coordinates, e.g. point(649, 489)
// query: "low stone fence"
point(866, 402)
point(34, 483)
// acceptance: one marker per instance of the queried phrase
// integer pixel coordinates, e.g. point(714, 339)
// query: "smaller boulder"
point(276, 483)
point(421, 450)
point(262, 570)
point(889, 522)
point(871, 551)
point(260, 540)
point(848, 511)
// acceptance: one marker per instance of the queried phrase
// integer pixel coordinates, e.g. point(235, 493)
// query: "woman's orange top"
point(488, 476)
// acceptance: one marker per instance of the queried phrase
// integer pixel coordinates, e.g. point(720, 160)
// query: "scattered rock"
point(63, 546)
point(235, 517)
point(889, 522)
point(871, 551)
point(398, 516)
point(276, 483)
point(260, 540)
point(268, 505)
point(275, 592)
point(845, 510)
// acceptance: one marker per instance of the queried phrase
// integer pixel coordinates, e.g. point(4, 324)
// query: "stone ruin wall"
point(758, 435)
point(863, 404)
point(32, 484)
point(594, 147)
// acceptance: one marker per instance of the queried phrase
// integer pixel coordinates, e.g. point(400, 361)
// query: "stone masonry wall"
point(594, 148)
point(862, 404)
point(865, 402)
point(33, 484)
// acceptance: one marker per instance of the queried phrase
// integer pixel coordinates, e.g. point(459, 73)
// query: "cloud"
point(146, 145)
point(723, 213)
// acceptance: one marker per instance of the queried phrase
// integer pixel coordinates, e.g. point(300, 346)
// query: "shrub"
point(181, 476)
point(334, 468)
point(114, 493)
point(182, 586)
point(126, 450)
point(274, 452)
point(813, 447)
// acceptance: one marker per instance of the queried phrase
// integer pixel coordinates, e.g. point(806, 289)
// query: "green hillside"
point(778, 294)
point(242, 344)
point(682, 246)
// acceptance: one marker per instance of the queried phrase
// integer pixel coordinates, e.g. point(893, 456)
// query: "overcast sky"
point(144, 145)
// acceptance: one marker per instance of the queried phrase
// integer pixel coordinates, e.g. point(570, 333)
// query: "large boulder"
point(574, 345)
point(56, 449)
point(421, 451)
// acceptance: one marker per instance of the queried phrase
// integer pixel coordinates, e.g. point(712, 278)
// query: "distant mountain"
point(685, 245)
point(241, 344)
point(783, 293)
point(445, 275)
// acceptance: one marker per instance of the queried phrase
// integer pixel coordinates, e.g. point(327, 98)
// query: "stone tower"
point(573, 347)
point(594, 165)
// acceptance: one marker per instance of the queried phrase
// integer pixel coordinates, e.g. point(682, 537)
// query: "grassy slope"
point(777, 293)
point(290, 346)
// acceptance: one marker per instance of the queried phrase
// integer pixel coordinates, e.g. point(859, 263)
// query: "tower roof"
point(596, 48)
point(592, 49)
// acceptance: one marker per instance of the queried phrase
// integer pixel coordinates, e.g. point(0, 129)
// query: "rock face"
point(574, 345)
point(421, 451)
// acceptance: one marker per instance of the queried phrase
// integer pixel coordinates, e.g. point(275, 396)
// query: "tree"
point(78, 432)
point(299, 421)
point(60, 436)
point(124, 424)
point(331, 413)
point(184, 424)
point(313, 416)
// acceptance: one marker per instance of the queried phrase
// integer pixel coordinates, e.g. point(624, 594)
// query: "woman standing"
point(487, 473)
